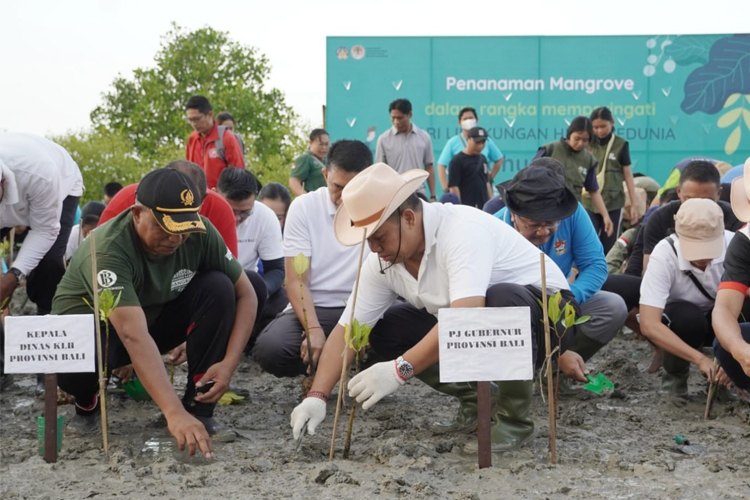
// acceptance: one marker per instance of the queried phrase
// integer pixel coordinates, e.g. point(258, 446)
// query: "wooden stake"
point(711, 390)
point(100, 363)
point(50, 418)
point(324, 116)
point(344, 364)
point(484, 425)
point(548, 350)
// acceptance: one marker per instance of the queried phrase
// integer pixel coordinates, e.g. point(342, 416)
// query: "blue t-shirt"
point(575, 243)
point(457, 143)
point(732, 174)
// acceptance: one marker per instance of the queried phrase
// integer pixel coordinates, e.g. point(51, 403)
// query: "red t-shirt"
point(214, 208)
point(202, 151)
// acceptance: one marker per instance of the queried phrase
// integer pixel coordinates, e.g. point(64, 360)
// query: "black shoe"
point(84, 425)
point(39, 390)
point(212, 426)
point(245, 393)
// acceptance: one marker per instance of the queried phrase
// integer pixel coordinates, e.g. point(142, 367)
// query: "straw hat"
point(370, 198)
point(739, 195)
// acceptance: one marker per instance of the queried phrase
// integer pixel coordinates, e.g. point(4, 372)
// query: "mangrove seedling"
point(301, 264)
point(108, 302)
point(356, 338)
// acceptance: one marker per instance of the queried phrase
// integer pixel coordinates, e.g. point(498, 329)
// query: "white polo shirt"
point(466, 252)
point(259, 236)
point(665, 280)
point(309, 230)
point(38, 175)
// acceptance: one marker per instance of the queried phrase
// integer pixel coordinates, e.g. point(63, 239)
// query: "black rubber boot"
point(674, 380)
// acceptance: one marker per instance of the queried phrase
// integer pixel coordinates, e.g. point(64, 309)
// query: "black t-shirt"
point(737, 263)
point(470, 175)
point(661, 223)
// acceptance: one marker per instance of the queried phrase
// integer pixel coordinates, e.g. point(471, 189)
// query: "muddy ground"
point(610, 447)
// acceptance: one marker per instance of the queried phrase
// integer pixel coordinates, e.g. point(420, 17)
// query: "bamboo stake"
point(548, 348)
point(344, 364)
point(711, 390)
point(97, 326)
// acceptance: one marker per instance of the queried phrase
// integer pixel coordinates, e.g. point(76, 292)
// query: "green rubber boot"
point(674, 380)
point(512, 425)
point(465, 420)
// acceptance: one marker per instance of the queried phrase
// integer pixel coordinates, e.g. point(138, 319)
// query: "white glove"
point(375, 383)
point(311, 410)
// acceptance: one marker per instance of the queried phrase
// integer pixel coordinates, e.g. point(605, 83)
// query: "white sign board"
point(50, 344)
point(485, 344)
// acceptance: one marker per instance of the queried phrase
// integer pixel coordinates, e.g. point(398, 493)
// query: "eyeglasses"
point(549, 226)
point(243, 214)
point(195, 119)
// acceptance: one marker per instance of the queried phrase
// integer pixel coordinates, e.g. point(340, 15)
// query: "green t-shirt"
point(308, 169)
point(145, 280)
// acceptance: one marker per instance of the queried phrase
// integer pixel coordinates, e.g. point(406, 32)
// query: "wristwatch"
point(404, 368)
point(17, 273)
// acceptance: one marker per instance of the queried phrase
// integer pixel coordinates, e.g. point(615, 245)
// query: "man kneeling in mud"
point(435, 256)
point(178, 283)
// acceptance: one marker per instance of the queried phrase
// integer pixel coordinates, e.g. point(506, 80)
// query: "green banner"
point(672, 96)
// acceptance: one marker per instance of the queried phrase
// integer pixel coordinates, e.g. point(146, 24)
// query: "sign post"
point(483, 345)
point(50, 345)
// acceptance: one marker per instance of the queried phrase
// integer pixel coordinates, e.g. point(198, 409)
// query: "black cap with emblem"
point(173, 199)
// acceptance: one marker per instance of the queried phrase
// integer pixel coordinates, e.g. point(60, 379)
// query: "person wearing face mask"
point(612, 154)
point(467, 118)
point(469, 175)
point(580, 166)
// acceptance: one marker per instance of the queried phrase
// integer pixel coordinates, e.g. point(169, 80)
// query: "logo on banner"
point(342, 53)
point(358, 52)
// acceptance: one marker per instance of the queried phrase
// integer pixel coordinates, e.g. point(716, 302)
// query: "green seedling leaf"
point(553, 308)
point(569, 317)
point(301, 264)
point(582, 320)
point(360, 336)
point(597, 384)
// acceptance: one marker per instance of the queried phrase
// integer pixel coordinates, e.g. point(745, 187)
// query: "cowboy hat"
point(739, 194)
point(370, 198)
point(538, 192)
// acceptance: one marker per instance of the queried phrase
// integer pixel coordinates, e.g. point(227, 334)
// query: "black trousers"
point(202, 315)
point(41, 283)
point(626, 286)
point(403, 325)
point(732, 368)
point(598, 221)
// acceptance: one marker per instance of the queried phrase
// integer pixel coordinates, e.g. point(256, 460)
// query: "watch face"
point(405, 369)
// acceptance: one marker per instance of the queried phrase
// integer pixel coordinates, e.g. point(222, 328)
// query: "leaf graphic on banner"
point(729, 117)
point(732, 99)
point(746, 116)
point(733, 141)
point(727, 72)
point(690, 49)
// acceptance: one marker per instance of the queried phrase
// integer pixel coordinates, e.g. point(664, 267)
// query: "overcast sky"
point(56, 58)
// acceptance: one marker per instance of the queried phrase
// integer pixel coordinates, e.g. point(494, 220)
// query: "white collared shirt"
point(309, 230)
point(665, 280)
point(466, 252)
point(259, 237)
point(39, 175)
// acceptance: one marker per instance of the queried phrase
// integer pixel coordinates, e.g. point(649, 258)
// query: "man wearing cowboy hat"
point(732, 348)
point(433, 256)
point(177, 283)
point(545, 211)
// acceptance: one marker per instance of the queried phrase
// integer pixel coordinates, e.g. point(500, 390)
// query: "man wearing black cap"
point(468, 172)
point(545, 211)
point(177, 282)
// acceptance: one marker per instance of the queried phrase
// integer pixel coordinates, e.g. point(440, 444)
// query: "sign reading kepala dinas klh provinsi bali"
point(672, 96)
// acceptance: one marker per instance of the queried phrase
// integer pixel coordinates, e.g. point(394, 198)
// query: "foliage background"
point(140, 124)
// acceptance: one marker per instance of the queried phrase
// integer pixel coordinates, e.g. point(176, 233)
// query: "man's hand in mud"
point(572, 365)
point(190, 432)
point(220, 374)
point(123, 373)
point(178, 355)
